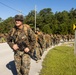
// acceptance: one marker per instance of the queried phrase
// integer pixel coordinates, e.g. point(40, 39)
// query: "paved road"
point(7, 66)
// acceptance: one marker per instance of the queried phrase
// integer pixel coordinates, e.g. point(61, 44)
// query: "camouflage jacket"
point(22, 35)
point(40, 39)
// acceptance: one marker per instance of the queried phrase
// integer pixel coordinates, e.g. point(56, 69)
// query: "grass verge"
point(59, 61)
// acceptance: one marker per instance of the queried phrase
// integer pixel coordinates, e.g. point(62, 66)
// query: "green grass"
point(59, 61)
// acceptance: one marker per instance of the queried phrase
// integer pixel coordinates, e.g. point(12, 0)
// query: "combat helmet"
point(19, 17)
point(37, 29)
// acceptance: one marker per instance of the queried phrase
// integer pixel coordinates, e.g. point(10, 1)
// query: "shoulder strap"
point(13, 31)
point(26, 28)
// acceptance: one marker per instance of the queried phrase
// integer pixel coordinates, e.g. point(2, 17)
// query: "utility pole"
point(74, 28)
point(35, 18)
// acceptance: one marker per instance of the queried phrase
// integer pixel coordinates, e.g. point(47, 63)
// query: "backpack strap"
point(13, 31)
point(26, 29)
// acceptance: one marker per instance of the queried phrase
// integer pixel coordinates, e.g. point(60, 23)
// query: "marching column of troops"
point(45, 41)
point(26, 43)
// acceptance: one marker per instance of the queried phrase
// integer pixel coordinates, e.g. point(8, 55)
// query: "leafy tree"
point(46, 20)
point(6, 25)
point(30, 18)
point(47, 29)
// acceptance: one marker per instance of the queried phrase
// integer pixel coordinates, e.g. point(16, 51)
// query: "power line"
point(11, 8)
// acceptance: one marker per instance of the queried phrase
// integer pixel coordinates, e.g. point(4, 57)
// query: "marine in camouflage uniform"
point(40, 40)
point(22, 40)
point(48, 40)
point(37, 48)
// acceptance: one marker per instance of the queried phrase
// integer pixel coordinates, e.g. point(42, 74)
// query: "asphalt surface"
point(7, 65)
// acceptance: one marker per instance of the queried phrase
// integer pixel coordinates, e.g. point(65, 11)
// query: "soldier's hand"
point(15, 47)
point(26, 50)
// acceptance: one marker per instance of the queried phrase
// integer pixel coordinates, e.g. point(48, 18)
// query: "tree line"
point(46, 20)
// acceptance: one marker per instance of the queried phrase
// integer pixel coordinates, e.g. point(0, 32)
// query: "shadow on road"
point(11, 66)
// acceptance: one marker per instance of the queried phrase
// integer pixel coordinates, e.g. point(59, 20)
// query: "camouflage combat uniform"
point(37, 48)
point(41, 41)
point(22, 59)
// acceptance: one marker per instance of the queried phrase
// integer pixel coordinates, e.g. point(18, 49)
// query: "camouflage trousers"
point(38, 51)
point(22, 63)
